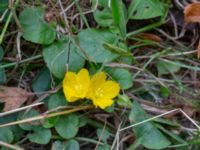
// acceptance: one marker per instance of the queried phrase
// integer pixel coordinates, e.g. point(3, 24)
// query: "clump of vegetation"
point(99, 74)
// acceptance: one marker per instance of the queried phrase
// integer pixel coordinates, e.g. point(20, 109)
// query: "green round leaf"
point(40, 136)
point(67, 126)
point(35, 28)
point(42, 81)
point(6, 135)
point(92, 40)
point(29, 114)
point(122, 76)
point(72, 145)
point(147, 133)
point(57, 54)
point(56, 100)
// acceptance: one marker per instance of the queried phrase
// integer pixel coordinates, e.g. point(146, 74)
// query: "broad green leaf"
point(42, 81)
point(72, 145)
point(25, 115)
point(67, 126)
point(35, 28)
point(104, 17)
point(145, 9)
point(61, 53)
point(6, 135)
point(56, 100)
point(3, 77)
point(166, 68)
point(1, 53)
point(119, 15)
point(92, 40)
point(122, 76)
point(103, 135)
point(147, 134)
point(40, 136)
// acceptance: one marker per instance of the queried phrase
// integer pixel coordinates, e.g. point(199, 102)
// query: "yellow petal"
point(102, 103)
point(69, 79)
point(69, 94)
point(110, 89)
point(98, 79)
point(83, 83)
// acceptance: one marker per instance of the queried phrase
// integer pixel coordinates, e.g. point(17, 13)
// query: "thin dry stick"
point(161, 115)
point(20, 109)
point(10, 146)
point(116, 137)
point(46, 116)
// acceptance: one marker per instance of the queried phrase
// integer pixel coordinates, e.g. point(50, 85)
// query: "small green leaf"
point(93, 44)
point(6, 135)
point(104, 17)
point(119, 15)
point(61, 53)
point(164, 91)
point(3, 77)
point(72, 145)
point(29, 114)
point(146, 9)
point(166, 68)
point(122, 76)
point(103, 134)
point(56, 100)
point(147, 133)
point(35, 28)
point(42, 81)
point(40, 136)
point(67, 126)
point(123, 100)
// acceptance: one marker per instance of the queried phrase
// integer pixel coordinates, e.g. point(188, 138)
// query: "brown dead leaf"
point(150, 36)
point(192, 12)
point(13, 97)
point(198, 50)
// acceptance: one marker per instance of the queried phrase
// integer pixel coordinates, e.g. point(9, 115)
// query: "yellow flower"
point(102, 92)
point(75, 86)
